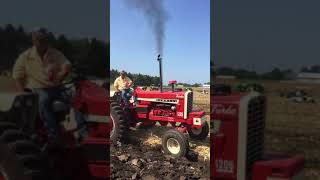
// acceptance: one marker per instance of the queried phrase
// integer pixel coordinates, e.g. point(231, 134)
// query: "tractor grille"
point(255, 131)
point(190, 102)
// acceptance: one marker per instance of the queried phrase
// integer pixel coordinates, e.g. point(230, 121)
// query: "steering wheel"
point(75, 75)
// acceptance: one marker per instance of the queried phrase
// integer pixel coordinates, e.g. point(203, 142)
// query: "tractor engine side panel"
point(142, 111)
point(162, 109)
point(176, 100)
point(224, 116)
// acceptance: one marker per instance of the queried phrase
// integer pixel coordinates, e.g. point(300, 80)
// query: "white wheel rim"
point(196, 131)
point(173, 146)
point(112, 128)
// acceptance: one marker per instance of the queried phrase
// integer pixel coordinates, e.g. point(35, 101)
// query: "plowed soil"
point(142, 158)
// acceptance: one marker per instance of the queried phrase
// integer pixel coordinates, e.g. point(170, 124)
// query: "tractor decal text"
point(180, 96)
point(180, 114)
point(224, 166)
point(221, 109)
point(167, 100)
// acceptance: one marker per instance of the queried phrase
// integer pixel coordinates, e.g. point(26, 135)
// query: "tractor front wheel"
point(20, 158)
point(175, 143)
point(120, 126)
point(200, 133)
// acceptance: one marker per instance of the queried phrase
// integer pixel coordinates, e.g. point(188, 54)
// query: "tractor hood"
point(158, 94)
point(6, 101)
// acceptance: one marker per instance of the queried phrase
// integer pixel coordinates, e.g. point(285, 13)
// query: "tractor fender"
point(7, 100)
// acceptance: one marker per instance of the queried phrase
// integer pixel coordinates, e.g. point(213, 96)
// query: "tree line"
point(146, 80)
point(89, 54)
point(274, 74)
point(138, 79)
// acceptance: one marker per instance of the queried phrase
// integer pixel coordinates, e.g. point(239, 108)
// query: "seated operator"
point(42, 69)
point(123, 84)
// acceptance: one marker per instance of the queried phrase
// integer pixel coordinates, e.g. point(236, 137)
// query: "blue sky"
point(262, 35)
point(75, 19)
point(186, 56)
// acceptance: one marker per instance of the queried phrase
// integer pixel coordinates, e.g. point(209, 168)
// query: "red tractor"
point(166, 107)
point(24, 148)
point(237, 140)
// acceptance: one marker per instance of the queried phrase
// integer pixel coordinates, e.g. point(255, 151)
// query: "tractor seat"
point(59, 106)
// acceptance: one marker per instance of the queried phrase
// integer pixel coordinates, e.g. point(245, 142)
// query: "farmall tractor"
point(166, 107)
point(26, 153)
point(237, 140)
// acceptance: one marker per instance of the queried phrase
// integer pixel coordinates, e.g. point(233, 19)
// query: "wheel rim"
point(173, 146)
point(112, 124)
point(196, 131)
point(3, 175)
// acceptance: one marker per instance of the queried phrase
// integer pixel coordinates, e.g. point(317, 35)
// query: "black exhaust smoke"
point(154, 12)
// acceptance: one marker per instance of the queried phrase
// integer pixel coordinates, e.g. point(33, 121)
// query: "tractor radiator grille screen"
point(190, 102)
point(255, 131)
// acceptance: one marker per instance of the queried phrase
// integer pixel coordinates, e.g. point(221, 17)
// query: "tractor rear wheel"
point(20, 158)
point(199, 134)
point(120, 125)
point(175, 143)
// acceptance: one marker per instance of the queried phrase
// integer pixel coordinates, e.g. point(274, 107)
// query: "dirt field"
point(145, 147)
point(293, 128)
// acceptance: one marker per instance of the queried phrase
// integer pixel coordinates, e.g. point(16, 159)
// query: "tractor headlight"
point(173, 108)
point(197, 121)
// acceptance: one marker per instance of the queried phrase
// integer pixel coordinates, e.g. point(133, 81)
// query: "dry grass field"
point(293, 128)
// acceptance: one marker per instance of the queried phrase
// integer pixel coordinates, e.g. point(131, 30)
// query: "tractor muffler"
point(160, 71)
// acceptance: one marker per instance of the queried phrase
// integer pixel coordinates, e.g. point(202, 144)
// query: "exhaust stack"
point(160, 70)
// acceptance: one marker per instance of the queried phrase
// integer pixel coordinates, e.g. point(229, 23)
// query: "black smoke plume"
point(156, 15)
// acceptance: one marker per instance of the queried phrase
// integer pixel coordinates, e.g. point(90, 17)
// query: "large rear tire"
point(199, 134)
point(175, 143)
point(20, 158)
point(120, 125)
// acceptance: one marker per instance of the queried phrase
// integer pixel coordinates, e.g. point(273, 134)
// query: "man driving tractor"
point(123, 84)
point(42, 69)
